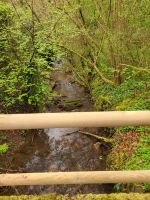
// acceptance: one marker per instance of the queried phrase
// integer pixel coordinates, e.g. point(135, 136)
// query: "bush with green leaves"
point(26, 59)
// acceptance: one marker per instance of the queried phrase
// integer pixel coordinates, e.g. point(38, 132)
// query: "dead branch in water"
point(107, 140)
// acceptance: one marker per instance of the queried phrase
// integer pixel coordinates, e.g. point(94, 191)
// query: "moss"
point(72, 104)
point(31, 197)
point(121, 196)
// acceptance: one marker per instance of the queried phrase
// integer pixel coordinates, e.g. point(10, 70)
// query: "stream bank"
point(63, 149)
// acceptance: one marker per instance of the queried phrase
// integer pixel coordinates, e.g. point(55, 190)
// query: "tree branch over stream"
point(101, 75)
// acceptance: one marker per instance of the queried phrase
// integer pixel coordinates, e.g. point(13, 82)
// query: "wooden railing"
point(93, 177)
point(80, 119)
point(74, 119)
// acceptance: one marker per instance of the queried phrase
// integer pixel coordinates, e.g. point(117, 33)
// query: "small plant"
point(147, 187)
point(118, 187)
point(101, 157)
point(4, 148)
point(23, 132)
point(3, 137)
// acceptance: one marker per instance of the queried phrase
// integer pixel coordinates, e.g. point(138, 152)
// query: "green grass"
point(141, 159)
point(131, 151)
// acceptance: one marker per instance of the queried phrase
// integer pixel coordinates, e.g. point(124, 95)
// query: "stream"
point(63, 149)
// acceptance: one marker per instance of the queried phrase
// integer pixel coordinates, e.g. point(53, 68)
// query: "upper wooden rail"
point(74, 119)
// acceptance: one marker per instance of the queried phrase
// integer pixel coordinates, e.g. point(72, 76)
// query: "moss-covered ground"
point(121, 196)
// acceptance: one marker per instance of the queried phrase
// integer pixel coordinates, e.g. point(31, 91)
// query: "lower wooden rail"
point(87, 177)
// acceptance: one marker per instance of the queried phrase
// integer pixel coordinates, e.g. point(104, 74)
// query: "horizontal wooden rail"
point(90, 177)
point(74, 119)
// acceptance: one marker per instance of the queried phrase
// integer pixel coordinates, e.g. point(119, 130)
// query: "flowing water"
point(63, 149)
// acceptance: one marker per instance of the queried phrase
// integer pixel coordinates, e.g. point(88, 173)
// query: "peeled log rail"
point(93, 177)
point(74, 119)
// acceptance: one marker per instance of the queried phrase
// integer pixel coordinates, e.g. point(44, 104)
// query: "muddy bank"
point(63, 149)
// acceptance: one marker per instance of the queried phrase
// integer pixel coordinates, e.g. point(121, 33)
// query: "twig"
point(137, 68)
point(107, 140)
point(17, 192)
point(9, 170)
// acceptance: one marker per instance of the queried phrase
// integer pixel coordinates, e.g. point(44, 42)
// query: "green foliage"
point(135, 155)
point(4, 148)
point(114, 39)
point(3, 138)
point(140, 129)
point(5, 15)
point(141, 159)
point(23, 132)
point(130, 95)
point(147, 187)
point(118, 187)
point(26, 59)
